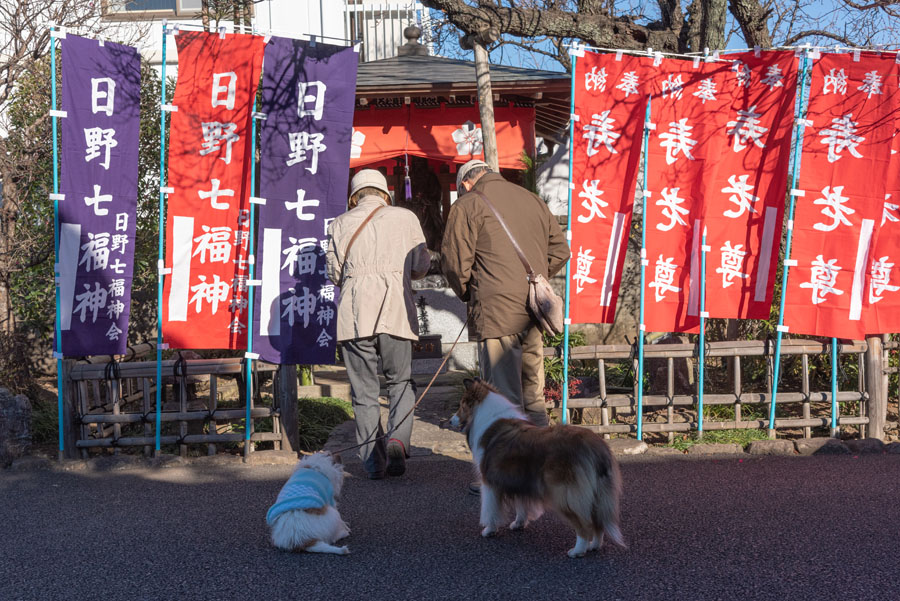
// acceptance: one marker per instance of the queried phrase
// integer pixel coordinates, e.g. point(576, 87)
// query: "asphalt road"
point(788, 528)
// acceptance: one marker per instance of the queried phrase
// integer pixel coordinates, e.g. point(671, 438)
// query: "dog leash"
point(421, 396)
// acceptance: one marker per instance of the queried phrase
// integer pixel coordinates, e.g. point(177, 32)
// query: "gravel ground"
point(817, 528)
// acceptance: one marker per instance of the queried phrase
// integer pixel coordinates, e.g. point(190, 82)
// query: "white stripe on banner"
point(69, 241)
point(612, 255)
point(765, 255)
point(859, 272)
point(182, 248)
point(694, 296)
point(269, 322)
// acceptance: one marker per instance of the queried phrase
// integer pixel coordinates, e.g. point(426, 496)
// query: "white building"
point(377, 25)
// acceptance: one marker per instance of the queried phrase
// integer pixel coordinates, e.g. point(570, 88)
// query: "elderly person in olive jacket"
point(377, 317)
point(482, 267)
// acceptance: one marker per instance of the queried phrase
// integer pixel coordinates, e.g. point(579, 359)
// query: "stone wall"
point(15, 426)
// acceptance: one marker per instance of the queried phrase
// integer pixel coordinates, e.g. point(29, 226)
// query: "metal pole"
point(834, 387)
point(565, 382)
point(703, 250)
point(798, 143)
point(641, 328)
point(162, 233)
point(249, 356)
point(59, 370)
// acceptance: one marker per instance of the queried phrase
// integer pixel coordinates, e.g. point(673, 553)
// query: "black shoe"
point(375, 475)
point(396, 453)
point(475, 488)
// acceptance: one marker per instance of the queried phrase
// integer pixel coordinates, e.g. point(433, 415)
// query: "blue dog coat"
point(306, 489)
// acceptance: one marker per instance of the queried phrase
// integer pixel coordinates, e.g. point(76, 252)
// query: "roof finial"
point(412, 47)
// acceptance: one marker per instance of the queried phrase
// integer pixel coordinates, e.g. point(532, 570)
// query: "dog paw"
point(488, 531)
point(344, 551)
point(575, 552)
point(518, 524)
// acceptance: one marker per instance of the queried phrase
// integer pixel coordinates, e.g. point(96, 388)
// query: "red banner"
point(449, 134)
point(691, 108)
point(883, 289)
point(744, 208)
point(208, 213)
point(843, 173)
point(610, 101)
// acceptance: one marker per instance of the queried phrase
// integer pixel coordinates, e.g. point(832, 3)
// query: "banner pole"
point(249, 356)
point(703, 250)
point(641, 328)
point(798, 144)
point(566, 322)
point(58, 353)
point(834, 387)
point(162, 233)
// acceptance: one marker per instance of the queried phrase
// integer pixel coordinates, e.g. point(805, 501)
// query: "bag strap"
point(353, 239)
point(515, 244)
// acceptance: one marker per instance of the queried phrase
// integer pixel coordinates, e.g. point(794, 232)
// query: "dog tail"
point(605, 514)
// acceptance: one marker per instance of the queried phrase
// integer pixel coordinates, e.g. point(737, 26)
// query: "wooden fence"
point(797, 409)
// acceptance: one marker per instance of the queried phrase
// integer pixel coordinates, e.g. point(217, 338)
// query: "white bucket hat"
point(368, 178)
point(464, 170)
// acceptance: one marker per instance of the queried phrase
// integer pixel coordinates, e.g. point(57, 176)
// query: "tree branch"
point(817, 32)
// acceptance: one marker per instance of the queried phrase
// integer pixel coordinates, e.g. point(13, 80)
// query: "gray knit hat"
point(368, 178)
point(463, 171)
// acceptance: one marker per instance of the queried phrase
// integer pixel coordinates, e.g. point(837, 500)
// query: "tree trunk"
point(486, 105)
point(752, 18)
point(204, 14)
point(712, 33)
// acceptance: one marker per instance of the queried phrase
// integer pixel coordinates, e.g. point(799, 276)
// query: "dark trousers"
point(361, 357)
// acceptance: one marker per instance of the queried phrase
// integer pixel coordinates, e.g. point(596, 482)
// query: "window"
point(150, 9)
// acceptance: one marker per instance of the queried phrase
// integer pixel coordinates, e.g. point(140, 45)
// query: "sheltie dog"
point(530, 469)
point(305, 516)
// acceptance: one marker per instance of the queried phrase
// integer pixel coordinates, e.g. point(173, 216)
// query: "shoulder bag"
point(545, 305)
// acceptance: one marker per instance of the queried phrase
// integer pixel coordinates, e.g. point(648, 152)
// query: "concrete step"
point(334, 383)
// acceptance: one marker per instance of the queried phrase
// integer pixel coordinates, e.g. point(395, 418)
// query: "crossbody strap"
point(353, 239)
point(515, 244)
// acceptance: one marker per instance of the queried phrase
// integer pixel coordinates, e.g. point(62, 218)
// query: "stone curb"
point(716, 449)
point(117, 463)
point(626, 446)
point(821, 446)
point(771, 447)
point(865, 445)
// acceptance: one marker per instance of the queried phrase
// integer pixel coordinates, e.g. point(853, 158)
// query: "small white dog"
point(305, 515)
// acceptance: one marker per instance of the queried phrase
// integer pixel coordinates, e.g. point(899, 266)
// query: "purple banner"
point(308, 97)
point(101, 88)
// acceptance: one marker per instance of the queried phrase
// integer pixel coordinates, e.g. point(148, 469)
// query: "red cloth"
point(845, 165)
point(207, 237)
point(610, 102)
point(447, 134)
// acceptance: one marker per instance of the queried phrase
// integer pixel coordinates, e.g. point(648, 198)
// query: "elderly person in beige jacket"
point(374, 251)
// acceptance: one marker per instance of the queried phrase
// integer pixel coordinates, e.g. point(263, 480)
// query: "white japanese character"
point(600, 131)
point(742, 73)
point(326, 292)
point(303, 142)
point(229, 90)
point(741, 195)
point(300, 256)
point(94, 139)
point(677, 139)
point(237, 304)
point(103, 95)
point(216, 241)
point(300, 205)
point(118, 267)
point(834, 208)
point(96, 199)
point(843, 135)
point(236, 326)
point(213, 293)
point(836, 81)
point(672, 209)
point(317, 99)
point(592, 201)
point(113, 332)
point(706, 90)
point(583, 269)
point(117, 287)
point(214, 133)
point(96, 252)
point(323, 339)
point(732, 260)
point(119, 242)
point(871, 84)
point(325, 314)
point(822, 279)
point(114, 309)
point(629, 83)
point(886, 214)
point(881, 279)
point(214, 193)
point(773, 77)
point(673, 85)
point(595, 80)
point(664, 276)
point(303, 306)
point(90, 300)
point(746, 128)
point(121, 222)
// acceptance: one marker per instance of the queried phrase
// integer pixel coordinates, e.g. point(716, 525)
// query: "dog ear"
point(338, 460)
point(468, 382)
